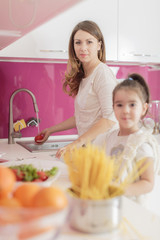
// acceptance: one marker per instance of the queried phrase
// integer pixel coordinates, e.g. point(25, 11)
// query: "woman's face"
point(86, 46)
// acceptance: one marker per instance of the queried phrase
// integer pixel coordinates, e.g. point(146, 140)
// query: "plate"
point(40, 164)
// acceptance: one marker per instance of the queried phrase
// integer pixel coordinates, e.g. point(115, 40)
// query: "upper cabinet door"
point(18, 17)
point(51, 39)
point(139, 31)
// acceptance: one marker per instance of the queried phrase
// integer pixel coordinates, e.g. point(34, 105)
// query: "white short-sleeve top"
point(94, 98)
point(134, 147)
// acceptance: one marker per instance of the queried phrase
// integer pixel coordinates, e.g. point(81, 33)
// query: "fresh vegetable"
point(42, 175)
point(38, 137)
point(28, 173)
point(19, 174)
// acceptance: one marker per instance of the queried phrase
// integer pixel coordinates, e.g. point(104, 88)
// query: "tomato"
point(19, 174)
point(38, 137)
point(37, 180)
point(42, 175)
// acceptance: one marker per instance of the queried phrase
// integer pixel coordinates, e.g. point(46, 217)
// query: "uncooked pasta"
point(94, 175)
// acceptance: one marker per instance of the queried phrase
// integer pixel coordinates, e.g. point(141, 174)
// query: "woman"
point(91, 82)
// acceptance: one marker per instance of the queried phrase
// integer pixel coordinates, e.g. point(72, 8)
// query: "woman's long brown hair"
point(75, 72)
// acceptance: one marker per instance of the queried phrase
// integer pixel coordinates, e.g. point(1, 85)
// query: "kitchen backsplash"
point(45, 81)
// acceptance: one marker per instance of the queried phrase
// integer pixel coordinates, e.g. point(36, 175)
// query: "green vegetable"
point(51, 172)
point(30, 172)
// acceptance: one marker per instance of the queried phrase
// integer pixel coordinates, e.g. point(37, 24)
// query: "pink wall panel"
point(153, 81)
point(44, 80)
point(151, 75)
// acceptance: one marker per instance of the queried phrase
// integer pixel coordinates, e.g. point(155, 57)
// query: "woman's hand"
point(60, 152)
point(69, 147)
point(45, 133)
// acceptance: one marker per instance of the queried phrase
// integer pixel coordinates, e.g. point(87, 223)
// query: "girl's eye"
point(89, 42)
point(132, 104)
point(119, 105)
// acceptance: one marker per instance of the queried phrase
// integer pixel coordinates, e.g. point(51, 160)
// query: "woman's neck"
point(89, 67)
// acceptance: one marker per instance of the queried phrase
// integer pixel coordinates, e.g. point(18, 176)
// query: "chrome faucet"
point(12, 134)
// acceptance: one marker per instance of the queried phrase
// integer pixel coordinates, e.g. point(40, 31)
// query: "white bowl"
point(39, 164)
point(36, 224)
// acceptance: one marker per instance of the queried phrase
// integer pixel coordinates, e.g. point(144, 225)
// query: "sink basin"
point(47, 146)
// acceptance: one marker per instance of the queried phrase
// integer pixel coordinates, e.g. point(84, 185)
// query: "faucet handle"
point(33, 122)
point(16, 134)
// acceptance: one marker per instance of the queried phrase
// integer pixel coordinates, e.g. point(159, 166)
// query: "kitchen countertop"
point(138, 223)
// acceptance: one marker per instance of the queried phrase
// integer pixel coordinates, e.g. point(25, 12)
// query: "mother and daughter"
point(92, 83)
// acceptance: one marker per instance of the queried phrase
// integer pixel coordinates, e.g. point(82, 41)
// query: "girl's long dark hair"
point(136, 83)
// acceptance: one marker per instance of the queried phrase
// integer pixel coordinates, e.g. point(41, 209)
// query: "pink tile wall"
point(151, 75)
point(154, 83)
point(44, 80)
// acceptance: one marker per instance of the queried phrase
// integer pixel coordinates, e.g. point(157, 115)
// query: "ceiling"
point(18, 17)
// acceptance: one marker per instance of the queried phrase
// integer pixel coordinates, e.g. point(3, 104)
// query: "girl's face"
point(128, 109)
point(86, 46)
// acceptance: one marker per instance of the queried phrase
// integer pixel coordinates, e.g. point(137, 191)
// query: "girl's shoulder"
point(142, 140)
point(141, 137)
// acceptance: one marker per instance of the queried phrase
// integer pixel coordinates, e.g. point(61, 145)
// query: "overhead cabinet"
point(139, 31)
point(130, 28)
point(18, 17)
point(51, 39)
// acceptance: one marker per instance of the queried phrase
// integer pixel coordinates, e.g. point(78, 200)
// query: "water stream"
point(37, 122)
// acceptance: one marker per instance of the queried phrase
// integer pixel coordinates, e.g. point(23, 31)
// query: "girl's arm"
point(65, 125)
point(145, 183)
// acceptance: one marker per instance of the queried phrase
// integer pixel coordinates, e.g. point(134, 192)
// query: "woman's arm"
point(65, 125)
point(100, 127)
point(145, 183)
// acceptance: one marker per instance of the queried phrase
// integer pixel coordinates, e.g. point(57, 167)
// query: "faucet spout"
point(12, 134)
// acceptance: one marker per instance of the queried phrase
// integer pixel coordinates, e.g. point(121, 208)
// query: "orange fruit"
point(9, 202)
point(10, 209)
point(7, 181)
point(32, 232)
point(50, 197)
point(25, 193)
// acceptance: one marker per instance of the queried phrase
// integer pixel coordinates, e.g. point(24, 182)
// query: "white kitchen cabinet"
point(51, 39)
point(19, 17)
point(139, 31)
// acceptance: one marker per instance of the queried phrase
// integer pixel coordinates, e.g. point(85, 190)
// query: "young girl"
point(130, 104)
point(91, 82)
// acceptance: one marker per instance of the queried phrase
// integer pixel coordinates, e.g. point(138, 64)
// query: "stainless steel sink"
point(47, 146)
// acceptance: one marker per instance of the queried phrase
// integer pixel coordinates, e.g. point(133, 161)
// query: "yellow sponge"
point(19, 125)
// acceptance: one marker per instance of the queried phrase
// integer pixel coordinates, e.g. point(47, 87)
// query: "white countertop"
point(137, 224)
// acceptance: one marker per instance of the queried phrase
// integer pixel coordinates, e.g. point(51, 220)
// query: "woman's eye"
point(89, 42)
point(77, 43)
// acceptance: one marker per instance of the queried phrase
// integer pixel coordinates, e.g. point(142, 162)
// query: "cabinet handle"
point(140, 55)
point(55, 51)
